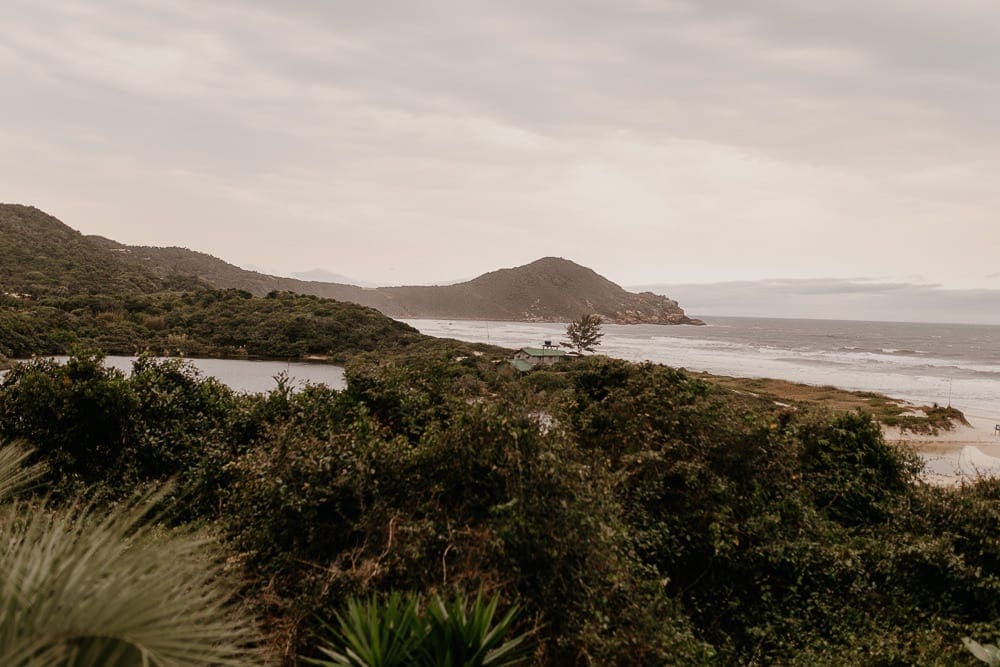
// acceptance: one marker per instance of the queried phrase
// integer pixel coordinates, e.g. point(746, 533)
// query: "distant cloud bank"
point(848, 299)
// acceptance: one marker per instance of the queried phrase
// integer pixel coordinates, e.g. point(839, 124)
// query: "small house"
point(529, 357)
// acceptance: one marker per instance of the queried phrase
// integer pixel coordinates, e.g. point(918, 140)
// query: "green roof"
point(521, 365)
point(543, 352)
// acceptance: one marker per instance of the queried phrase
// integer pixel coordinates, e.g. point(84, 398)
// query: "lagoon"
point(250, 376)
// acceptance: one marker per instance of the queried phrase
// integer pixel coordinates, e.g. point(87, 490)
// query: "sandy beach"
point(962, 453)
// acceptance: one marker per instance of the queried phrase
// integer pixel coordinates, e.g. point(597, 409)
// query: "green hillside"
point(169, 263)
point(51, 258)
point(60, 290)
point(550, 289)
point(43, 256)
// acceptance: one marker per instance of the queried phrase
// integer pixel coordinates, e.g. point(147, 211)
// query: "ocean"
point(956, 364)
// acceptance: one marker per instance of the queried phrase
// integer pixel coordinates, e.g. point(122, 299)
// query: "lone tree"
point(584, 334)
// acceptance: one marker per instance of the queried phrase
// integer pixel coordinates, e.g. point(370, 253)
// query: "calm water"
point(252, 376)
point(923, 363)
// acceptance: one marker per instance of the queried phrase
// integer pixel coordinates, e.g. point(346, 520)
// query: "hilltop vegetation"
point(210, 323)
point(551, 289)
point(168, 263)
point(43, 256)
point(639, 515)
point(60, 290)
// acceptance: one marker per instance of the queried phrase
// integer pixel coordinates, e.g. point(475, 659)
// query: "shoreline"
point(407, 319)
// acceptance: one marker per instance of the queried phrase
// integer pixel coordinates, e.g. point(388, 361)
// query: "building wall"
point(538, 360)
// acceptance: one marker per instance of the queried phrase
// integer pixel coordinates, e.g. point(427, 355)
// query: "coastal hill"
point(43, 256)
point(52, 257)
point(60, 290)
point(550, 289)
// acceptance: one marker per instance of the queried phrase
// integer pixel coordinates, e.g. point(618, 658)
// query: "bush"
point(76, 415)
point(639, 515)
point(486, 497)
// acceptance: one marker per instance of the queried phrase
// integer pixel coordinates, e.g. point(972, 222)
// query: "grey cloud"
point(785, 78)
point(780, 76)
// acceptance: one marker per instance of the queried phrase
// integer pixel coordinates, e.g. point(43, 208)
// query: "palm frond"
point(81, 589)
point(987, 653)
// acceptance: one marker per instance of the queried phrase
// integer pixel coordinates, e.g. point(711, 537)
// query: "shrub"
point(76, 415)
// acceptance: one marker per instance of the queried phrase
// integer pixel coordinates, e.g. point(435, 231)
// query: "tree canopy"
point(584, 334)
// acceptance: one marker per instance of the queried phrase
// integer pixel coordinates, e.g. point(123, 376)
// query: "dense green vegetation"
point(634, 514)
point(60, 290)
point(637, 514)
point(226, 323)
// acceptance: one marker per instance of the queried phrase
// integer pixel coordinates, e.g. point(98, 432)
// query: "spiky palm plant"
point(447, 634)
point(374, 634)
point(82, 588)
point(463, 634)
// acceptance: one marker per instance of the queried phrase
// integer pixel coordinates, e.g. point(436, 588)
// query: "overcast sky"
point(655, 141)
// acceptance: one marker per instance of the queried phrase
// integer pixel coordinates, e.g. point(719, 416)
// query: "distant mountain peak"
point(559, 289)
point(555, 264)
point(324, 276)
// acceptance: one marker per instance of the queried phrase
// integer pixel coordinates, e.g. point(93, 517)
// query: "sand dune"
point(964, 453)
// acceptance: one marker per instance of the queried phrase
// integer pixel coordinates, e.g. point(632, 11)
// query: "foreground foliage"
point(987, 653)
point(636, 514)
point(81, 588)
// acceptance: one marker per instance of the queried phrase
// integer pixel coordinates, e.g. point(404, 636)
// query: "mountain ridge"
point(549, 289)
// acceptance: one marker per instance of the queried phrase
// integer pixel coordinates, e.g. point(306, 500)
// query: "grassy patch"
point(887, 411)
